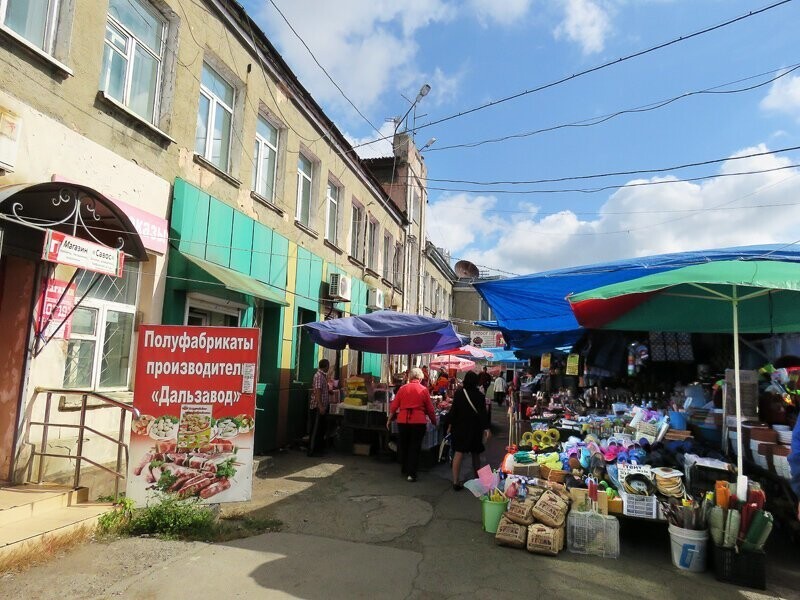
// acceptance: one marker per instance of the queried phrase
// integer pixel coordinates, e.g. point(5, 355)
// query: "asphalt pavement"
point(354, 528)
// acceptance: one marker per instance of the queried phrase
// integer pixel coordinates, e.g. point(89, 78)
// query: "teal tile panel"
point(189, 220)
point(262, 254)
point(242, 244)
point(220, 233)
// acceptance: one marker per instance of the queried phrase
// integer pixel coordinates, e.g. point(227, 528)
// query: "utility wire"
point(591, 69)
point(618, 173)
point(591, 122)
point(328, 75)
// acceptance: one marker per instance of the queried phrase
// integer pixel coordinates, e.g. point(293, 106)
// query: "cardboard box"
point(580, 497)
point(362, 449)
point(527, 470)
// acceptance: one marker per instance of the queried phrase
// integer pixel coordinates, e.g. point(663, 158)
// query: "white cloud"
point(727, 211)
point(505, 12)
point(585, 22)
point(367, 46)
point(458, 221)
point(374, 149)
point(784, 97)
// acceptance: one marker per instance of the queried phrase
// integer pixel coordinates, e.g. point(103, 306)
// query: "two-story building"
point(173, 131)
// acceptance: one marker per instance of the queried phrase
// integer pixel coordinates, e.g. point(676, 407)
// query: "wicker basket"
point(556, 475)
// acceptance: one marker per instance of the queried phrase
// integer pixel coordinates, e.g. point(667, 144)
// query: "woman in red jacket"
point(411, 405)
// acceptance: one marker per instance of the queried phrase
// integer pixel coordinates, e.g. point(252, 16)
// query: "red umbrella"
point(452, 362)
point(468, 350)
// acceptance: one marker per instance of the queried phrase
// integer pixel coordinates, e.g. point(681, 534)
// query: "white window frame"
point(373, 233)
point(308, 179)
point(388, 248)
point(397, 265)
point(357, 231)
point(51, 25)
point(212, 115)
point(337, 204)
point(130, 55)
point(263, 145)
point(103, 307)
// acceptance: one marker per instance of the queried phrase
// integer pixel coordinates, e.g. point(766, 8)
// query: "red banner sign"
point(195, 391)
point(53, 309)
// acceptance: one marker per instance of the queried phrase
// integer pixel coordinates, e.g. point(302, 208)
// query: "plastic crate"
point(746, 569)
point(592, 533)
point(643, 507)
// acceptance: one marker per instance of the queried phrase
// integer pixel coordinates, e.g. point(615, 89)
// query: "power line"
point(616, 187)
point(619, 173)
point(591, 69)
point(591, 122)
point(328, 75)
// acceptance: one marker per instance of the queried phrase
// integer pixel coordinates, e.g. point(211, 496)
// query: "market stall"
point(362, 412)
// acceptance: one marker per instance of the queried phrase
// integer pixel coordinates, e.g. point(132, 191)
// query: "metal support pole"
point(741, 480)
point(119, 453)
point(45, 429)
point(79, 453)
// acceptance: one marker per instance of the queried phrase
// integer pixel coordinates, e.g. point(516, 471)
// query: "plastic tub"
point(689, 548)
point(492, 512)
point(677, 420)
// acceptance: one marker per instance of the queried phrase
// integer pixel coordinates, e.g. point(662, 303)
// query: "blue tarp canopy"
point(534, 315)
point(386, 332)
point(500, 355)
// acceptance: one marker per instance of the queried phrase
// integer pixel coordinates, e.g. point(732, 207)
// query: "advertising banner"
point(195, 391)
point(545, 363)
point(486, 338)
point(76, 252)
point(51, 313)
point(573, 364)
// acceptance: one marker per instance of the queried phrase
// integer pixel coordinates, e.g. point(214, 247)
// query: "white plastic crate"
point(643, 507)
point(592, 533)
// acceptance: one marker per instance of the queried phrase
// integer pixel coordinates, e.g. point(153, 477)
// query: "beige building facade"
point(179, 124)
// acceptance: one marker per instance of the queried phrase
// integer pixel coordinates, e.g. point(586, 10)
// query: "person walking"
point(469, 426)
point(500, 390)
point(317, 408)
point(410, 406)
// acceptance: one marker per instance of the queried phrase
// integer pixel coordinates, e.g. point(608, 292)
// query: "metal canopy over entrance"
point(71, 208)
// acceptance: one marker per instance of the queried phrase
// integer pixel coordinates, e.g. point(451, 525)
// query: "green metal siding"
point(262, 253)
point(220, 230)
point(242, 244)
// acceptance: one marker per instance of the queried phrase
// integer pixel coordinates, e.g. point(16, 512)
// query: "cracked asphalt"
point(354, 528)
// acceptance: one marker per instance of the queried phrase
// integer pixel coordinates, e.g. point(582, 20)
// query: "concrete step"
point(262, 464)
point(21, 502)
point(23, 536)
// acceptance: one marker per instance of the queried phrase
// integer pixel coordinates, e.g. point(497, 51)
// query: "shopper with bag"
point(411, 405)
point(469, 426)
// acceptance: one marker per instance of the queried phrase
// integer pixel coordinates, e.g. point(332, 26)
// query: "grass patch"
point(181, 520)
point(41, 551)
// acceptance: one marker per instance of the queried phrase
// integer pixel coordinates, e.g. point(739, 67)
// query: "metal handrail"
point(82, 428)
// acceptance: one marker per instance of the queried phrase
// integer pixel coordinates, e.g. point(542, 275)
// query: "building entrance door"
point(17, 285)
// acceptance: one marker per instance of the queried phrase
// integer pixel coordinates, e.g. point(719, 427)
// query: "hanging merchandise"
point(573, 364)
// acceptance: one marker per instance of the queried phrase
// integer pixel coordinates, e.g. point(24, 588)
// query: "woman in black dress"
point(468, 424)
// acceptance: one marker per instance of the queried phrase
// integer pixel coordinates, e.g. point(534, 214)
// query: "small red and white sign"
point(76, 252)
point(54, 308)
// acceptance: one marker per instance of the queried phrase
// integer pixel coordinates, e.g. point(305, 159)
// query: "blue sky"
point(477, 51)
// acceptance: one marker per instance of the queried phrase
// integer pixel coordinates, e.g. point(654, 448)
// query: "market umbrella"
point(452, 362)
point(469, 350)
point(736, 296)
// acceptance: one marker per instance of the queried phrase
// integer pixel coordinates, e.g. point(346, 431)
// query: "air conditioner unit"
point(339, 287)
point(375, 299)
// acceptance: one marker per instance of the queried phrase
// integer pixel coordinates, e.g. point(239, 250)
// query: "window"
point(133, 55)
point(34, 20)
point(356, 232)
point(214, 117)
point(332, 212)
point(305, 171)
point(372, 244)
point(484, 311)
point(100, 348)
point(435, 307)
point(415, 206)
point(265, 159)
point(387, 257)
point(397, 265)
